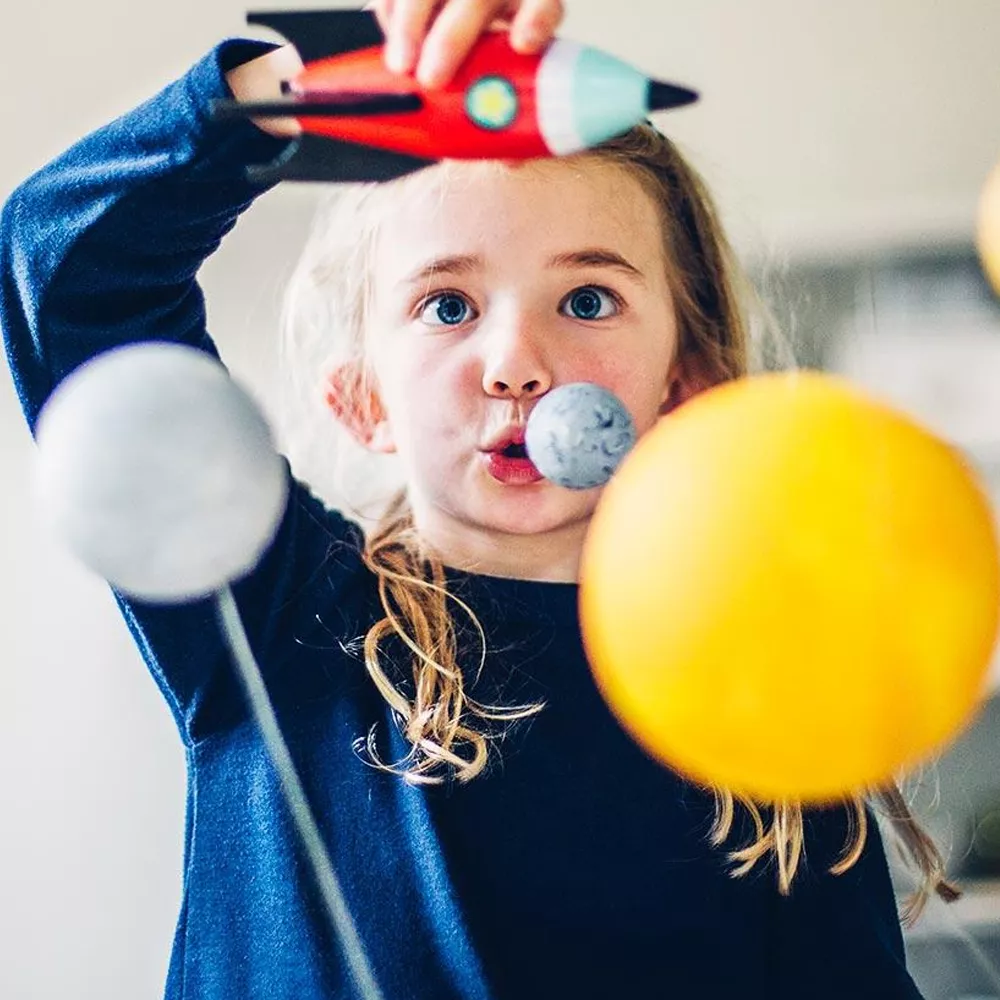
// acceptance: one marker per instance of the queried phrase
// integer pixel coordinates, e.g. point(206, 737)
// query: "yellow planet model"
point(988, 229)
point(791, 590)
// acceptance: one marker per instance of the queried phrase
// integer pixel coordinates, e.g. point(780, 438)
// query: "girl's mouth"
point(511, 466)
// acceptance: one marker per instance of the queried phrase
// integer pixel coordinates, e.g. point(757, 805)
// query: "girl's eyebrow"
point(597, 257)
point(457, 264)
point(461, 264)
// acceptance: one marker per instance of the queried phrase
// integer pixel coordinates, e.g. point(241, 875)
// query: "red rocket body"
point(442, 127)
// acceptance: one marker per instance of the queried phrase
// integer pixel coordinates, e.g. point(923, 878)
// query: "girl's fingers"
point(406, 30)
point(383, 12)
point(452, 36)
point(535, 24)
point(435, 36)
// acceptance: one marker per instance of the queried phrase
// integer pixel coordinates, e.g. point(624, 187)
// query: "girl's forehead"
point(494, 209)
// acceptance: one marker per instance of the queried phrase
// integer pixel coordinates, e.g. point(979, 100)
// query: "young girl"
point(496, 833)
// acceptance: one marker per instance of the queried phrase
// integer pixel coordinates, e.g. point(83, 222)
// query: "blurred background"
point(847, 145)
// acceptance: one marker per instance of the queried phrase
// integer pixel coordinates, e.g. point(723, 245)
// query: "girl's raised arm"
point(101, 248)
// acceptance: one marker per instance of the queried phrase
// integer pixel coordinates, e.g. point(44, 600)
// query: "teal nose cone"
point(610, 97)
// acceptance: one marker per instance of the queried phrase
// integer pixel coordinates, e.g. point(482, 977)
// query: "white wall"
point(823, 125)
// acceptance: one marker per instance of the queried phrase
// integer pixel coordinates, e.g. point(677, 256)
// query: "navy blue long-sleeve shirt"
point(576, 867)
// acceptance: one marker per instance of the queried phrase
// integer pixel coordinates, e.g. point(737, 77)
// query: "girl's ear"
point(689, 376)
point(356, 404)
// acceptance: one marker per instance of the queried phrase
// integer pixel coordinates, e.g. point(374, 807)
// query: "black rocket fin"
point(329, 106)
point(317, 158)
point(317, 34)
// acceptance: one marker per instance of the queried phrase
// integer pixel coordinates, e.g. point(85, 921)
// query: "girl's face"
point(493, 286)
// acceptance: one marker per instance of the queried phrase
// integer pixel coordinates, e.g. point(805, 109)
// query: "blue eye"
point(446, 309)
point(590, 303)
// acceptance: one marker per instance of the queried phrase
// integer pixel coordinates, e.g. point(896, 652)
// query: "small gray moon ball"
point(159, 472)
point(578, 435)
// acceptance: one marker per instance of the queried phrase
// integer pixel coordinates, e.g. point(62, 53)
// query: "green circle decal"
point(492, 102)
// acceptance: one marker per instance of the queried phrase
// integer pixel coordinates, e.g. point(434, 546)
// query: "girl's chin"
point(534, 510)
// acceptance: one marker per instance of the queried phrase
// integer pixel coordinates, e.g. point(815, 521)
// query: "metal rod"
point(295, 797)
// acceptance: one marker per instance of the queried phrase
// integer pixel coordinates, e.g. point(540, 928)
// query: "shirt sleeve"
point(100, 249)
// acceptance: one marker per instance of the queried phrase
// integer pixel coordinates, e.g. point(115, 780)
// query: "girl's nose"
point(515, 390)
point(515, 368)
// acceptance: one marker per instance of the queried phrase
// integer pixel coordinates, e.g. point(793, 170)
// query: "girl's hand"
point(435, 36)
point(260, 80)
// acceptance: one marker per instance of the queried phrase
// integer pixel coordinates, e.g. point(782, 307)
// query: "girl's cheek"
point(407, 362)
point(639, 386)
point(448, 368)
point(605, 369)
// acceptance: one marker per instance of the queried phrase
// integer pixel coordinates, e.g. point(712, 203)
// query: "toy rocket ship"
point(362, 122)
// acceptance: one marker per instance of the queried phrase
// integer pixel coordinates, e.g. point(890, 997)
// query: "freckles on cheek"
point(604, 372)
point(444, 393)
point(468, 374)
point(639, 387)
point(619, 377)
point(445, 372)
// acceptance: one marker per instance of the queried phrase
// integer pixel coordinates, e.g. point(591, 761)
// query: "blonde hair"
point(449, 733)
